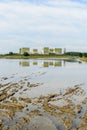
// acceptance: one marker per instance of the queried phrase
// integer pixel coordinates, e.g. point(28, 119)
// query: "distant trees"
point(80, 54)
point(76, 54)
point(85, 54)
point(26, 54)
point(11, 53)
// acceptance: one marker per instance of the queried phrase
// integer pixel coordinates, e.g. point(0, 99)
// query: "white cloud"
point(49, 23)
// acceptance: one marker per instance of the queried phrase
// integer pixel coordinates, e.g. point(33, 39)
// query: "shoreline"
point(37, 57)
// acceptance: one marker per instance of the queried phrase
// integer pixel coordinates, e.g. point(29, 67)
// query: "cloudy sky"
point(42, 23)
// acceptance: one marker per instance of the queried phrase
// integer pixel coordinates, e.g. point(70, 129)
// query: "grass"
point(36, 56)
point(18, 56)
point(83, 59)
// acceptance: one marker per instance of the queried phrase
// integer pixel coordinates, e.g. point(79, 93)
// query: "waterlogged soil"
point(65, 110)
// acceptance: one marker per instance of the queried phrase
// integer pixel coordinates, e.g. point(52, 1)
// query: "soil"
point(57, 111)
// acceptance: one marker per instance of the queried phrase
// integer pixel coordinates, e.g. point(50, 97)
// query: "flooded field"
point(41, 94)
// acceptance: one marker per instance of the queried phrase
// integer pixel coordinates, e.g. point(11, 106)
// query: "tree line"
point(79, 54)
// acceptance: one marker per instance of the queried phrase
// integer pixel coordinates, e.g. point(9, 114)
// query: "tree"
point(11, 53)
point(26, 54)
point(85, 54)
point(80, 55)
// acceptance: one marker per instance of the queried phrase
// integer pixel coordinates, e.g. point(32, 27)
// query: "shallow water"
point(41, 80)
point(52, 75)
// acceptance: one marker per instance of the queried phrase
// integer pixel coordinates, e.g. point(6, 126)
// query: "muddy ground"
point(65, 110)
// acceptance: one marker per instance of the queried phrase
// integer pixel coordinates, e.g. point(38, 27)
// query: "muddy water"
point(43, 94)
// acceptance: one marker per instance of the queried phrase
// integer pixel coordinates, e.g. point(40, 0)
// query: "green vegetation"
point(85, 54)
point(79, 54)
point(83, 59)
point(29, 56)
point(70, 55)
point(25, 54)
point(11, 53)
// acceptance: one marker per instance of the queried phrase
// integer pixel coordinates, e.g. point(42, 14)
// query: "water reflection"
point(24, 63)
point(51, 63)
point(42, 63)
point(47, 63)
point(57, 64)
point(35, 63)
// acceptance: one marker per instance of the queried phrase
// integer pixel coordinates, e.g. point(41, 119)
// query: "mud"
point(57, 111)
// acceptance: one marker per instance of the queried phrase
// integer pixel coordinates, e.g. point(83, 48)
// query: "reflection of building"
point(23, 50)
point(58, 51)
point(45, 64)
point(56, 64)
point(35, 51)
point(51, 63)
point(24, 63)
point(45, 50)
point(35, 63)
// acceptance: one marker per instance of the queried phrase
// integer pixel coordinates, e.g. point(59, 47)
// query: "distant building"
point(23, 50)
point(45, 50)
point(51, 51)
point(35, 51)
point(58, 51)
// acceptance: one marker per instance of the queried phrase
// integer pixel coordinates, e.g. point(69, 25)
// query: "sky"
point(43, 23)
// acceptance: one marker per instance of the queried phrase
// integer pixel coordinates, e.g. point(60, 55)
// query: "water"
point(46, 76)
point(53, 75)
